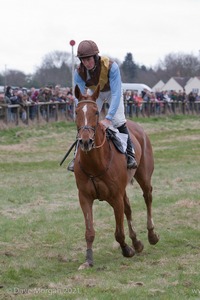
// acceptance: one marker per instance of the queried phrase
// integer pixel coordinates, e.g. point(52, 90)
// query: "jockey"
point(94, 70)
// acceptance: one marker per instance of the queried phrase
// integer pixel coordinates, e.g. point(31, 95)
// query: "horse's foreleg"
point(89, 231)
point(119, 231)
point(152, 236)
point(137, 244)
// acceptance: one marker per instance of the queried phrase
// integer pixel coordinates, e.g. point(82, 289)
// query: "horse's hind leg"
point(137, 244)
point(152, 236)
point(147, 194)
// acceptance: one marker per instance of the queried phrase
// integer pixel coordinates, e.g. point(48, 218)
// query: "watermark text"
point(196, 291)
point(47, 291)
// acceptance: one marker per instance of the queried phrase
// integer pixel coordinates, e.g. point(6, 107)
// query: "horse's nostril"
point(86, 145)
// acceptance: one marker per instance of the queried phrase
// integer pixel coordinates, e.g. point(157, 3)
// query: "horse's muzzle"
point(86, 144)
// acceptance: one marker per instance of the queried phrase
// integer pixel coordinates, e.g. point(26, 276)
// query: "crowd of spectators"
point(144, 103)
point(28, 100)
point(148, 102)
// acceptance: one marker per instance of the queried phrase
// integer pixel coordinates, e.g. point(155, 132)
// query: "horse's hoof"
point(128, 251)
point(84, 266)
point(153, 238)
point(138, 245)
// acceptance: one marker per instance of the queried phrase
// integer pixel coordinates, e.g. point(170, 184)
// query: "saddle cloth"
point(119, 139)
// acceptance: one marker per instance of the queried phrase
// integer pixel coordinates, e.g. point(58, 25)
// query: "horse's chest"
point(103, 190)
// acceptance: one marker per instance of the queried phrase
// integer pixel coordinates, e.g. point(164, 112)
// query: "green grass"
point(42, 227)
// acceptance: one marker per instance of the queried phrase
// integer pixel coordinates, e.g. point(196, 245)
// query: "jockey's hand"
point(106, 122)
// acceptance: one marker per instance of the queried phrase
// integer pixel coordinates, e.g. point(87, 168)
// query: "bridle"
point(92, 128)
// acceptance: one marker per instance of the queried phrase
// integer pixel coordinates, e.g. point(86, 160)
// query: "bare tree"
point(55, 59)
point(54, 69)
point(15, 78)
point(179, 64)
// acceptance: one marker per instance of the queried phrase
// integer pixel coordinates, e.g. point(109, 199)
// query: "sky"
point(149, 29)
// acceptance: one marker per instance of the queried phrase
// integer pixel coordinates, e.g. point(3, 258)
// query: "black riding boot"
point(131, 162)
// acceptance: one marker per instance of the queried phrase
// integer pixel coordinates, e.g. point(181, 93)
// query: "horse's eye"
point(97, 113)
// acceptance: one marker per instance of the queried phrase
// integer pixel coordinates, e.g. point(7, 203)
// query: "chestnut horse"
point(101, 173)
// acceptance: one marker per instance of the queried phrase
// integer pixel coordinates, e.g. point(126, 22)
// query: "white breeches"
point(119, 118)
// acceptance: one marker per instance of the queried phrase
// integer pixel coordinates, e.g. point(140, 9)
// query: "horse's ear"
point(95, 95)
point(77, 91)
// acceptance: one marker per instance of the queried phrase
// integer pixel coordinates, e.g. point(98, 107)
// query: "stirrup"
point(131, 162)
point(71, 166)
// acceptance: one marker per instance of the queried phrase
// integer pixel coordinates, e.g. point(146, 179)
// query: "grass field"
point(42, 227)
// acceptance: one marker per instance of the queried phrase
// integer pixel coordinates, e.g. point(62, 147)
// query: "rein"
point(104, 139)
point(97, 147)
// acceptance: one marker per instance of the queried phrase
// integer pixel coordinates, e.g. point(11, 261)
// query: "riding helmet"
point(87, 48)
